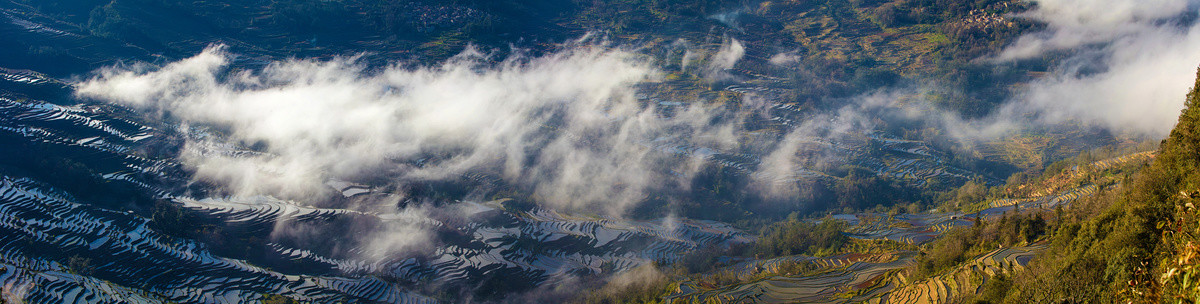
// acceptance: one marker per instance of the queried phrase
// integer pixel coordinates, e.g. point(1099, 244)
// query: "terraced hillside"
point(904, 228)
point(259, 34)
point(62, 248)
point(101, 247)
point(109, 254)
point(840, 279)
point(1058, 190)
point(740, 113)
point(112, 152)
point(966, 280)
point(858, 278)
point(891, 277)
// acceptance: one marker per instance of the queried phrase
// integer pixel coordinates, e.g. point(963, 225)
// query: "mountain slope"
point(1178, 189)
point(1142, 247)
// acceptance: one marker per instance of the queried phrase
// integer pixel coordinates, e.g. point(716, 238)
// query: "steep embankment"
point(1178, 187)
point(1139, 242)
point(1141, 248)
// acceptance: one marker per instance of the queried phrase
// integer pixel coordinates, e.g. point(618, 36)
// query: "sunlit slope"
point(893, 277)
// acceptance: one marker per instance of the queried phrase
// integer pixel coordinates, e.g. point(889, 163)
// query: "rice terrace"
point(617, 151)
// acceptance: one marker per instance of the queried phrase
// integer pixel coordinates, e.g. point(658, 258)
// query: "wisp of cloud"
point(1130, 63)
point(568, 126)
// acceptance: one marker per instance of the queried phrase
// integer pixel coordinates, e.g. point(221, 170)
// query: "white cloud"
point(783, 59)
point(725, 58)
point(567, 125)
point(1131, 63)
point(1074, 23)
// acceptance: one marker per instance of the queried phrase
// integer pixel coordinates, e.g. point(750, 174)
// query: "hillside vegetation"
point(1133, 241)
point(1134, 237)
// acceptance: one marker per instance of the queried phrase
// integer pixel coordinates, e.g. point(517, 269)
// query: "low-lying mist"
point(567, 125)
point(577, 130)
point(1123, 63)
